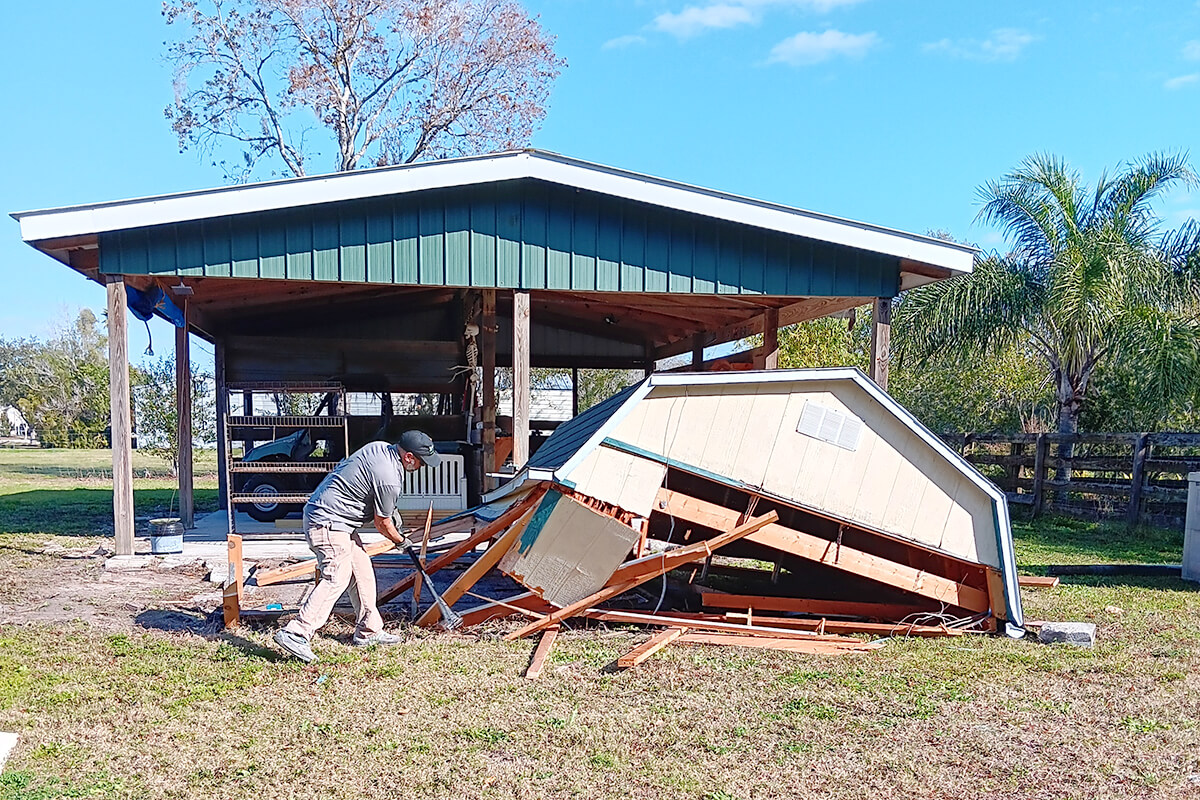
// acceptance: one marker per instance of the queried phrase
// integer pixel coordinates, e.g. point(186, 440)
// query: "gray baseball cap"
point(421, 446)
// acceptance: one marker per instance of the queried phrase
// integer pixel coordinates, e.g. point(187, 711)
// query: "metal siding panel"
point(405, 251)
point(243, 240)
point(325, 249)
point(299, 241)
point(432, 271)
point(534, 237)
point(824, 270)
point(217, 255)
point(775, 274)
point(353, 242)
point(379, 242)
point(483, 242)
point(608, 248)
point(704, 260)
point(681, 262)
point(584, 234)
point(846, 276)
point(160, 250)
point(800, 268)
point(189, 249)
point(633, 250)
point(458, 242)
point(729, 260)
point(658, 251)
point(753, 262)
point(272, 248)
point(509, 216)
point(135, 255)
point(559, 219)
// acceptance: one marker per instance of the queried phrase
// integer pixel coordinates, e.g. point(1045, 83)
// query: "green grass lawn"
point(136, 713)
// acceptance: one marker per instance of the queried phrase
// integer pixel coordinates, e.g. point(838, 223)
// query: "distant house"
point(13, 424)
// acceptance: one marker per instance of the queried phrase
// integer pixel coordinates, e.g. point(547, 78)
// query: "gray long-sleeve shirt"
point(362, 486)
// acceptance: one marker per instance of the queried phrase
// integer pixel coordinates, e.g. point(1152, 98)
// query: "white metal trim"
point(550, 167)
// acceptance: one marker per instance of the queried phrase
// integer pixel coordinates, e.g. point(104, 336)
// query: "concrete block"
point(1082, 634)
point(7, 742)
point(127, 563)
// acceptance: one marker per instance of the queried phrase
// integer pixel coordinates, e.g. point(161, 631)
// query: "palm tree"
point(1090, 278)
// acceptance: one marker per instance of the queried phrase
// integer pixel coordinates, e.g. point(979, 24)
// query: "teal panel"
point(379, 243)
point(298, 235)
point(681, 264)
point(431, 252)
point(516, 234)
point(406, 227)
point(217, 246)
point(458, 244)
point(325, 249)
point(483, 243)
point(538, 521)
point(352, 225)
point(189, 249)
point(272, 249)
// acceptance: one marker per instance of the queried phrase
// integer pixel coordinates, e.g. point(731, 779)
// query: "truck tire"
point(268, 487)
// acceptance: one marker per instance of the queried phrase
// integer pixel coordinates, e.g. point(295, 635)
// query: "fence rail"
point(1138, 477)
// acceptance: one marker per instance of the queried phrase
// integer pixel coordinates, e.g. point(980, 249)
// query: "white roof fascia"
point(296, 192)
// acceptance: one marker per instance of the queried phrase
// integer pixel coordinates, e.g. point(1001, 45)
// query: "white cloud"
point(1004, 44)
point(1181, 81)
point(695, 19)
point(807, 48)
point(1191, 50)
point(623, 41)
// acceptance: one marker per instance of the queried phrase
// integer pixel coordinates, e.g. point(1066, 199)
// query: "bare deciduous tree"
point(393, 81)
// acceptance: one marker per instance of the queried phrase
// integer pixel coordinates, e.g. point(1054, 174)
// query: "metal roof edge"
point(508, 165)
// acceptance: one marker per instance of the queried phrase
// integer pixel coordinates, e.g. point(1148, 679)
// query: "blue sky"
point(886, 112)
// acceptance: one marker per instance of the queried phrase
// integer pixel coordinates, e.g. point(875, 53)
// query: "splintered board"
point(568, 551)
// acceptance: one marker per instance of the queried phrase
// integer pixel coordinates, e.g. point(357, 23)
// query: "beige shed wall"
point(894, 481)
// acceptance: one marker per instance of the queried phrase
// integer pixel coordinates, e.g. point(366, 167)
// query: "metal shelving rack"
point(268, 427)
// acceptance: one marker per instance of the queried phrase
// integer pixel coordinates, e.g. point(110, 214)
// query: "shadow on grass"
point(1158, 584)
point(210, 626)
point(86, 512)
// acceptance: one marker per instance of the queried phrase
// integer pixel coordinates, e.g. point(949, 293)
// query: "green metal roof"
point(524, 234)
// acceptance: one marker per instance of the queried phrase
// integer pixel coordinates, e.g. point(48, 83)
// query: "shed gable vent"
point(828, 425)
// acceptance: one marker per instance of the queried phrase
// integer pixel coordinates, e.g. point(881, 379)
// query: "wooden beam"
point(479, 567)
point(635, 573)
point(520, 394)
point(528, 602)
point(789, 645)
point(1038, 581)
point(470, 543)
point(697, 351)
point(839, 627)
point(545, 644)
point(770, 346)
point(649, 647)
point(487, 337)
point(823, 551)
point(183, 404)
point(222, 411)
point(416, 597)
point(881, 337)
point(121, 426)
point(231, 599)
point(697, 622)
point(803, 605)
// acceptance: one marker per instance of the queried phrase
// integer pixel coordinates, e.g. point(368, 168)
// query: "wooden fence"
point(1137, 477)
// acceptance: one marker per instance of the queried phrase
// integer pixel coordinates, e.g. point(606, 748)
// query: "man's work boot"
point(295, 645)
point(381, 638)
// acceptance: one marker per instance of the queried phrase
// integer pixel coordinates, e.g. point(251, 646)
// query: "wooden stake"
point(541, 653)
point(232, 594)
point(649, 647)
point(424, 550)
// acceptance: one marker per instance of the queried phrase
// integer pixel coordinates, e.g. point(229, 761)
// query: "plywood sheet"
point(620, 478)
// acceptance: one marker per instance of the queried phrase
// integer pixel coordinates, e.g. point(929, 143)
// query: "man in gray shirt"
point(362, 488)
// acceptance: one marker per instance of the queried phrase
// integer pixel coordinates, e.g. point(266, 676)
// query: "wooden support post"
point(120, 414)
point(697, 351)
point(1141, 451)
point(574, 391)
point(1041, 450)
point(770, 350)
point(222, 411)
point(881, 337)
point(232, 595)
point(487, 342)
point(541, 653)
point(183, 405)
point(520, 362)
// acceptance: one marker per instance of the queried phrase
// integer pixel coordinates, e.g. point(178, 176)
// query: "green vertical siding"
point(518, 234)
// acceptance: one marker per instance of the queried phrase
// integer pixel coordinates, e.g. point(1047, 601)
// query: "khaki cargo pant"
point(343, 564)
